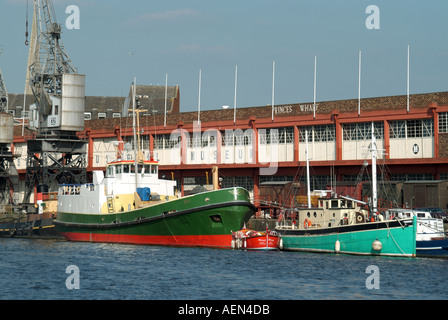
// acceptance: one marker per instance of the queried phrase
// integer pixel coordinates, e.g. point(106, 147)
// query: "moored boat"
point(255, 240)
point(34, 221)
point(345, 225)
point(108, 210)
point(431, 240)
point(339, 225)
point(28, 226)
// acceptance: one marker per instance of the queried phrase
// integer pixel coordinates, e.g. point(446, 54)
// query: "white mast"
point(135, 138)
point(374, 187)
point(307, 170)
point(166, 97)
point(359, 83)
point(315, 68)
point(407, 106)
point(273, 86)
point(199, 98)
point(234, 99)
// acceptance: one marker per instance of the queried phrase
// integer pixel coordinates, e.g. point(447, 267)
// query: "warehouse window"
point(411, 128)
point(237, 137)
point(164, 141)
point(195, 140)
point(286, 135)
point(412, 176)
point(268, 136)
point(443, 122)
point(317, 182)
point(318, 133)
point(362, 131)
point(101, 115)
point(397, 129)
point(243, 181)
point(158, 141)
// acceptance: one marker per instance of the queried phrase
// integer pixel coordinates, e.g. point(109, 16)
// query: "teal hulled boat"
point(341, 225)
point(344, 228)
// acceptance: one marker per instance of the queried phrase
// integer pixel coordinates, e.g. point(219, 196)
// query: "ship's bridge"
point(147, 168)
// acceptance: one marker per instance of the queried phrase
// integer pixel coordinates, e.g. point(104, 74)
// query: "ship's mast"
point(374, 177)
point(308, 182)
point(136, 144)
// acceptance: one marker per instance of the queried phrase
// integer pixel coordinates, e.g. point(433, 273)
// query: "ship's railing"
point(74, 189)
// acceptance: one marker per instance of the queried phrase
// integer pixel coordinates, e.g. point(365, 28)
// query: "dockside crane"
point(56, 154)
point(3, 91)
point(3, 94)
point(9, 177)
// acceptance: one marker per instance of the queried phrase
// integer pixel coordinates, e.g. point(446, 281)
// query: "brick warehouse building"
point(263, 148)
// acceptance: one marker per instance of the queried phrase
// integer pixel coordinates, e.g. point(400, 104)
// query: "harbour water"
point(61, 270)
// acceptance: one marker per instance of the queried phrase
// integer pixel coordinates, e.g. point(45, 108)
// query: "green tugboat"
point(109, 210)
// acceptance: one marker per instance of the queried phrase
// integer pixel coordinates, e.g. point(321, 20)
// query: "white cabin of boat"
point(123, 188)
point(428, 227)
point(330, 212)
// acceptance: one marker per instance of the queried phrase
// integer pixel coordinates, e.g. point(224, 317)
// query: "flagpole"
point(407, 106)
point(359, 83)
point(273, 87)
point(166, 96)
point(234, 99)
point(199, 98)
point(314, 105)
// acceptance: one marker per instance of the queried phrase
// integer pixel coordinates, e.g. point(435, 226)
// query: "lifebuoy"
point(307, 223)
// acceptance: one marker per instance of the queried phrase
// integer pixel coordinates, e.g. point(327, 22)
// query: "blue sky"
point(118, 40)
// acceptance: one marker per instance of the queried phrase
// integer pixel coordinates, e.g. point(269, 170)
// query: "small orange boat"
point(255, 240)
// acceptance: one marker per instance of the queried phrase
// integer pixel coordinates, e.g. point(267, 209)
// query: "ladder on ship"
point(110, 204)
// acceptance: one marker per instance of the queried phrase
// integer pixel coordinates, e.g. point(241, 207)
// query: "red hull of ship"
point(218, 241)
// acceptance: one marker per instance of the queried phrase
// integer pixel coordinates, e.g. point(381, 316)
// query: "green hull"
point(204, 219)
point(397, 239)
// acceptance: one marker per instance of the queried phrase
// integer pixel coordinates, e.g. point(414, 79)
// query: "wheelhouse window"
point(334, 204)
point(110, 171)
point(154, 169)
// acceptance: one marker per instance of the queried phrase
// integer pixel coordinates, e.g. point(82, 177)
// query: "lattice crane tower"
point(56, 154)
point(9, 177)
point(3, 91)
